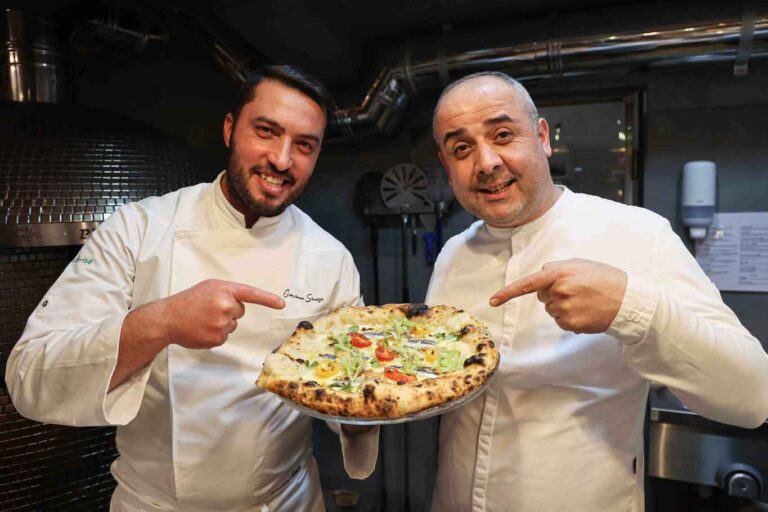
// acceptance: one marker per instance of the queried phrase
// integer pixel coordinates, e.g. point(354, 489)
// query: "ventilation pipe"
point(231, 52)
point(32, 66)
point(385, 101)
point(127, 32)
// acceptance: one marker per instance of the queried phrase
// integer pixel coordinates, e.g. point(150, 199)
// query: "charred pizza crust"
point(376, 396)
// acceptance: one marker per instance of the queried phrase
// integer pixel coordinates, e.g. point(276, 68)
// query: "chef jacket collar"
point(230, 213)
point(537, 224)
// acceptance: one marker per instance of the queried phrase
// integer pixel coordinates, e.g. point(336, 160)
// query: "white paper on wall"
point(735, 252)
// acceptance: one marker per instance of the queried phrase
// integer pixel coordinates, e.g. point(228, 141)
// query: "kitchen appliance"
point(689, 448)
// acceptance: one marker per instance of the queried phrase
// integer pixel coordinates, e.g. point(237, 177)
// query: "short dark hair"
point(290, 76)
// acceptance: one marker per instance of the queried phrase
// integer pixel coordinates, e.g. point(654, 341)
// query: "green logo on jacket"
point(87, 261)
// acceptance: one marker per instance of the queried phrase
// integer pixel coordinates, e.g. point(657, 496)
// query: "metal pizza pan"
point(421, 415)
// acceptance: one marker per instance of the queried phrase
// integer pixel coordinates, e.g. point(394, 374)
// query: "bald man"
point(589, 300)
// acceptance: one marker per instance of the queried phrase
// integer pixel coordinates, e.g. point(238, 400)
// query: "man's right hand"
point(204, 316)
point(200, 317)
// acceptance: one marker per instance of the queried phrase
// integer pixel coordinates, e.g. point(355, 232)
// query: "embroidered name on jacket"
point(308, 297)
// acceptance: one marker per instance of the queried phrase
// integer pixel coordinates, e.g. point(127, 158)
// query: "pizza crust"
point(380, 397)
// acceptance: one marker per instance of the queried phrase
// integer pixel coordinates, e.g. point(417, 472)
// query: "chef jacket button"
point(45, 303)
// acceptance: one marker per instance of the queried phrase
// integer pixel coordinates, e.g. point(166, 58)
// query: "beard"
point(238, 176)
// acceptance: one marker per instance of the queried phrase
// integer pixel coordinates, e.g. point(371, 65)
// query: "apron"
point(235, 446)
point(289, 498)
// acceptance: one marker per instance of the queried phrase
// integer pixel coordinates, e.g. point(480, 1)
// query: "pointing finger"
point(552, 264)
point(238, 310)
point(535, 282)
point(253, 295)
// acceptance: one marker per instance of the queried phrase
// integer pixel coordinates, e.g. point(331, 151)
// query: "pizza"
point(382, 361)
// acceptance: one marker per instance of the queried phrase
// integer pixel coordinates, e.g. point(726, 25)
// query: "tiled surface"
point(59, 164)
point(62, 163)
point(44, 467)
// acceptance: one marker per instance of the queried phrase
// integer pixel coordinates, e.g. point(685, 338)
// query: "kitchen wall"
point(719, 118)
point(333, 191)
point(185, 95)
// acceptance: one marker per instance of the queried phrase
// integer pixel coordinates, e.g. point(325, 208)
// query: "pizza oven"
point(63, 170)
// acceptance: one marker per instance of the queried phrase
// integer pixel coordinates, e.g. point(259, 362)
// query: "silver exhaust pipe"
point(385, 101)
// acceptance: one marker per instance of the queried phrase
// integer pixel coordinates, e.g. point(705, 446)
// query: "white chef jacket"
point(560, 428)
point(194, 431)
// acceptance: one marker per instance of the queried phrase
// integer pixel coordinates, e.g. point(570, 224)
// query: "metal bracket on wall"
point(51, 234)
point(746, 35)
point(407, 214)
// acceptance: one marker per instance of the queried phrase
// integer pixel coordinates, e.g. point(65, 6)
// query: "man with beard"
point(588, 300)
point(161, 324)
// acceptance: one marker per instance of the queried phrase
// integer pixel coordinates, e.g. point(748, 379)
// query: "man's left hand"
point(353, 430)
point(582, 296)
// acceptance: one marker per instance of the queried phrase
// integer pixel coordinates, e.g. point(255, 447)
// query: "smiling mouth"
point(498, 188)
point(272, 180)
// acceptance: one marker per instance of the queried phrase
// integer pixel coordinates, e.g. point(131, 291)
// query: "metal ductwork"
point(123, 31)
point(32, 64)
point(65, 168)
point(234, 55)
point(385, 101)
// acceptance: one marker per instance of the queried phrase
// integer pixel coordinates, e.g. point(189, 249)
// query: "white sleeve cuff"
point(360, 453)
point(122, 404)
point(633, 320)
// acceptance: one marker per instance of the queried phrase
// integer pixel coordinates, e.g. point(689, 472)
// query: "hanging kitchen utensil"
point(429, 221)
point(404, 185)
point(367, 196)
point(424, 155)
point(406, 295)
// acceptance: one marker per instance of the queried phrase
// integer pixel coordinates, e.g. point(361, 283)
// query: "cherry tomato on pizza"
point(360, 340)
point(385, 354)
point(394, 374)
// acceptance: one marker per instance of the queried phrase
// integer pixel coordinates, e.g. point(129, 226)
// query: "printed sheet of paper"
point(735, 253)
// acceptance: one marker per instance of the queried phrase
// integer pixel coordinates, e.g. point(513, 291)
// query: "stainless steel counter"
point(687, 447)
